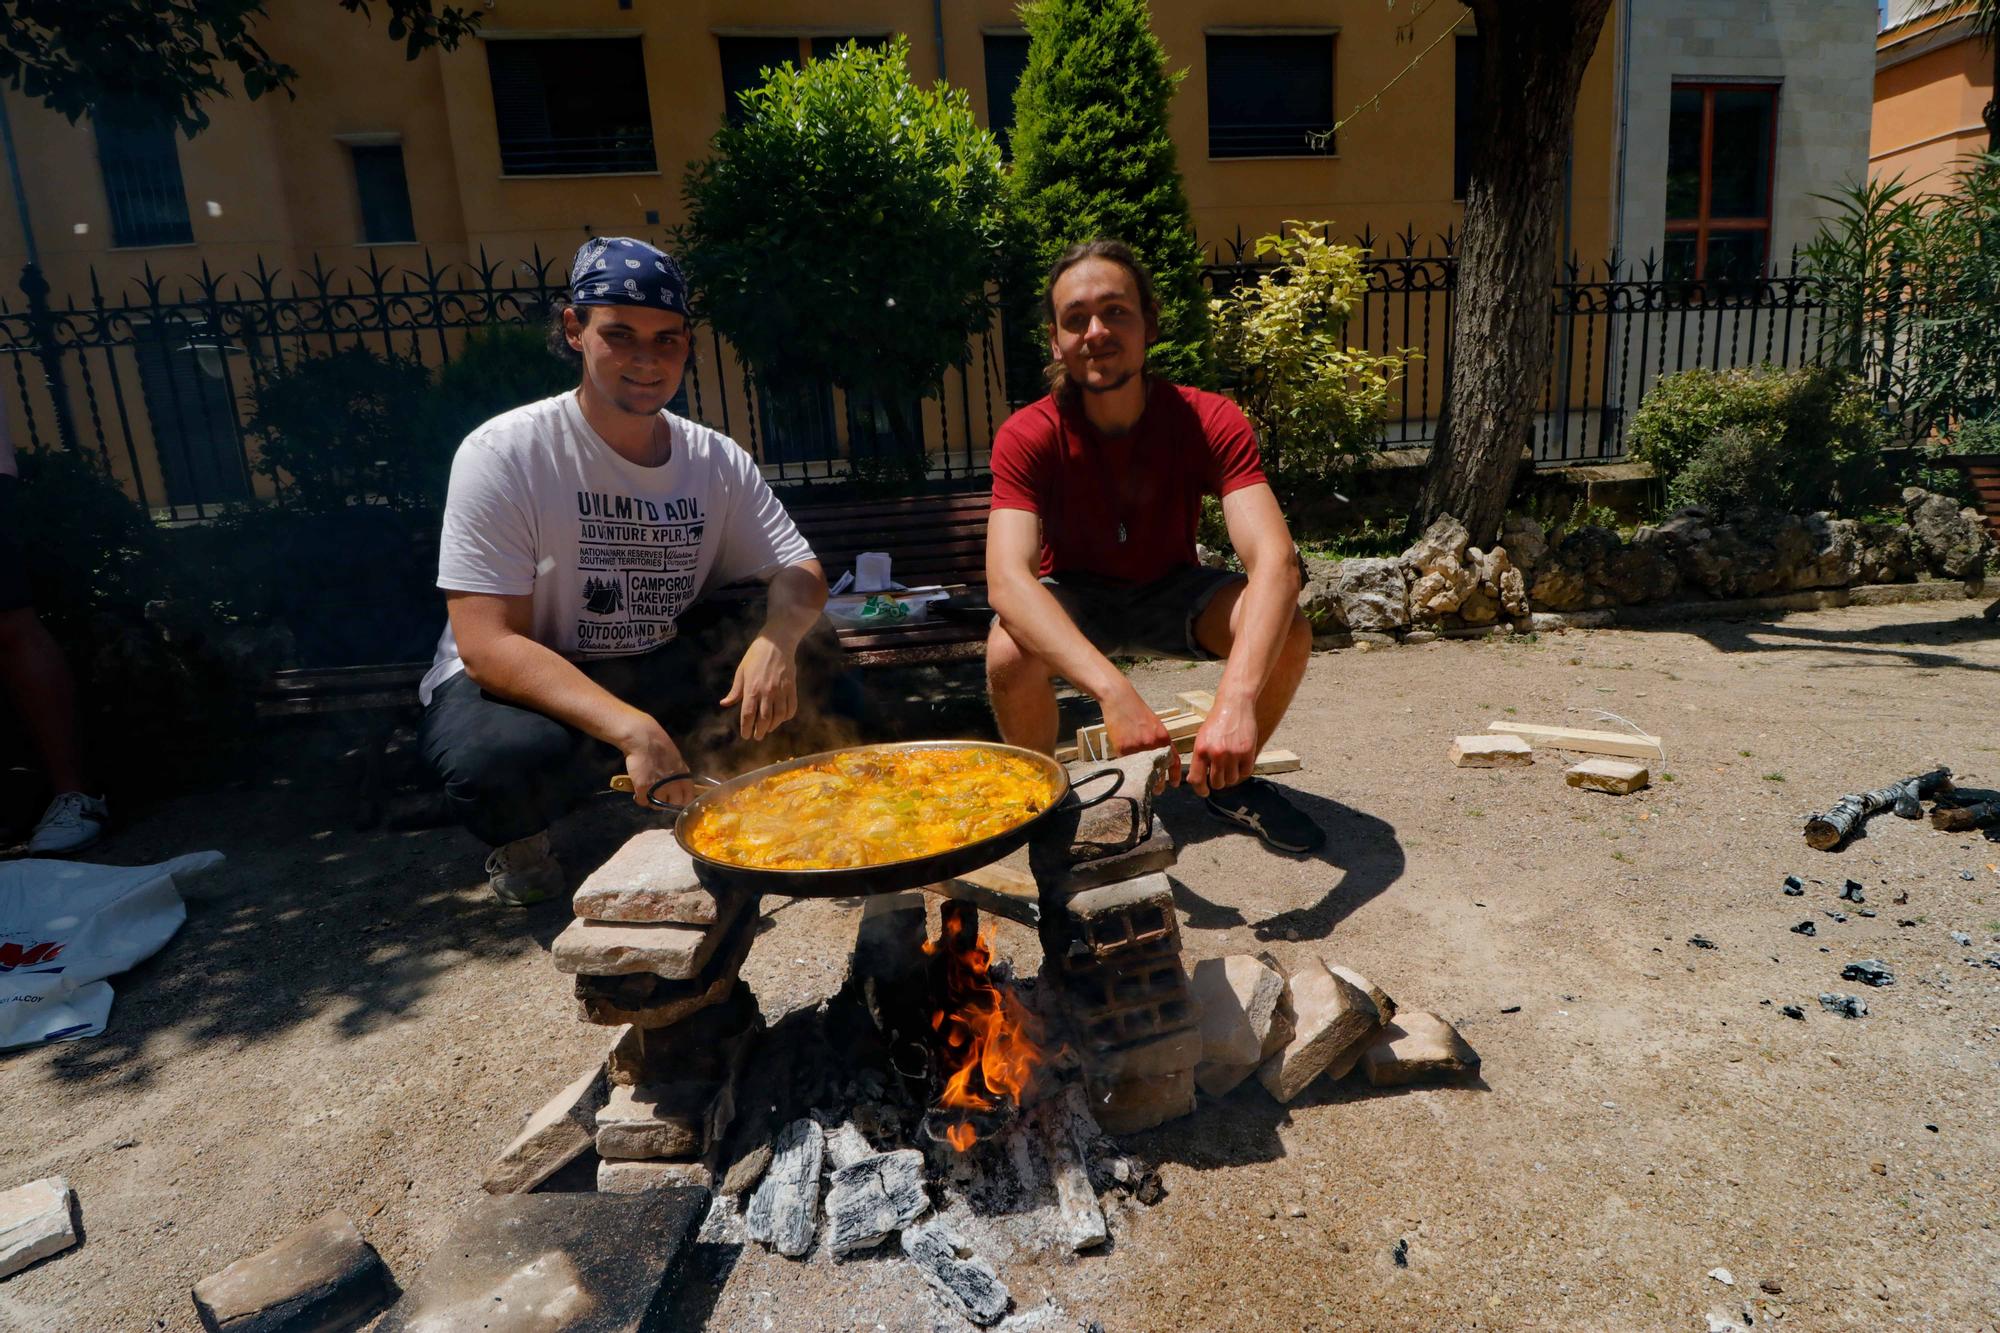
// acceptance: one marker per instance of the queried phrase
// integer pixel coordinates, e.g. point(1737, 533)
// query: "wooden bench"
point(1983, 471)
point(928, 539)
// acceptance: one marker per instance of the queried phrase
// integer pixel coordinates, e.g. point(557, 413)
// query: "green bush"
point(501, 367)
point(1738, 466)
point(1317, 403)
point(846, 230)
point(90, 549)
point(343, 429)
point(1819, 426)
point(1093, 157)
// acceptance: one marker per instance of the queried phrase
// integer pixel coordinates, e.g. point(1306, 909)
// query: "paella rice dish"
point(872, 807)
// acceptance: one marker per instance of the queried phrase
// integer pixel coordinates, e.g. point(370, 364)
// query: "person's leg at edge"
point(1255, 804)
point(1023, 693)
point(508, 773)
point(38, 681)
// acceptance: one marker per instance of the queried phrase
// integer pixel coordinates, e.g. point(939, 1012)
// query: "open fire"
point(986, 1044)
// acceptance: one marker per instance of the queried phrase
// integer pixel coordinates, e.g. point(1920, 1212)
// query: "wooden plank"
point(1197, 701)
point(1577, 738)
point(1277, 761)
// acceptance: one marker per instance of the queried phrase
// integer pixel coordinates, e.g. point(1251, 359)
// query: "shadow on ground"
point(1361, 846)
point(1928, 644)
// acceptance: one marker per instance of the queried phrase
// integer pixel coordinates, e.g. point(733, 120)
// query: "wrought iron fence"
point(1618, 328)
point(161, 380)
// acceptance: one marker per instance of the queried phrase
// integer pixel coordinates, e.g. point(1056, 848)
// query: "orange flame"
point(986, 1039)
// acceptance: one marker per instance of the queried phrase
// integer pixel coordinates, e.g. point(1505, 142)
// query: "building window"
point(571, 106)
point(1721, 146)
point(745, 58)
point(1006, 61)
point(1464, 115)
point(141, 165)
point(384, 191)
point(1270, 96)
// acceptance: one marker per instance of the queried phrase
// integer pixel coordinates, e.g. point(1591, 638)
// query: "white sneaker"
point(71, 823)
point(525, 871)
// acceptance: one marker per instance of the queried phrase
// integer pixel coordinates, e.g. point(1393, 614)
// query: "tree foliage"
point(1317, 403)
point(78, 57)
point(1093, 158)
point(847, 228)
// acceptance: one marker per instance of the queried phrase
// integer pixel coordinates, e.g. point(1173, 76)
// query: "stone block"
point(1118, 1004)
point(695, 1049)
point(1219, 1080)
point(322, 1276)
point(1417, 1045)
point(36, 1220)
point(871, 1199)
point(1170, 1053)
point(1131, 1105)
point(655, 1121)
point(610, 949)
point(650, 878)
point(648, 1001)
point(1333, 1020)
point(1384, 1006)
point(1061, 878)
point(554, 1137)
point(1246, 1009)
point(1620, 777)
point(1492, 752)
point(1074, 832)
point(554, 1263)
point(631, 1176)
point(1125, 918)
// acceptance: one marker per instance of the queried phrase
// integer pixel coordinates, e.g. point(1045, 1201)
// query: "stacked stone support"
point(1113, 947)
point(655, 950)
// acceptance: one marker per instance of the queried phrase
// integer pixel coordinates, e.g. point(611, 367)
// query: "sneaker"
point(524, 872)
point(1260, 807)
point(71, 823)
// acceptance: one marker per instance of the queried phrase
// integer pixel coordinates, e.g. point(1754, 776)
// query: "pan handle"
point(623, 783)
point(1117, 777)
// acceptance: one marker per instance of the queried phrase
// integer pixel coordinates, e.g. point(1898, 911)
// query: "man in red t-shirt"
point(1097, 491)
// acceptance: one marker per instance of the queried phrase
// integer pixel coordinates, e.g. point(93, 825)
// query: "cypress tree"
point(1092, 158)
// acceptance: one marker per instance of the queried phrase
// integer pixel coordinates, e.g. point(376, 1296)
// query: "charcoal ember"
point(1847, 1006)
point(948, 1263)
point(1851, 892)
point(1869, 972)
point(784, 1212)
point(872, 1199)
point(1805, 928)
point(1793, 1011)
point(1794, 887)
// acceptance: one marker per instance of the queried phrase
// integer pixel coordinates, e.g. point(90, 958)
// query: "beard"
point(1109, 386)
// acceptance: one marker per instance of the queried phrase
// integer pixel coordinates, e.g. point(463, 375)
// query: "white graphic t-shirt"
point(612, 552)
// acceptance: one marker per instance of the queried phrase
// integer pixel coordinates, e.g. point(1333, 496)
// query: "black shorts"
point(14, 592)
point(1142, 619)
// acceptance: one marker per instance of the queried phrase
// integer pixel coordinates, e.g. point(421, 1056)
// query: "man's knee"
point(1008, 664)
point(504, 756)
point(1299, 638)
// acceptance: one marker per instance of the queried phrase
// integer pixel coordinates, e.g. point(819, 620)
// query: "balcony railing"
point(1294, 139)
point(577, 155)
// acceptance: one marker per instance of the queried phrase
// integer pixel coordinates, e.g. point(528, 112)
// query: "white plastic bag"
point(67, 925)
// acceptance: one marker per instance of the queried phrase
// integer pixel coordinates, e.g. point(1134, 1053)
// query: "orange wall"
point(1927, 108)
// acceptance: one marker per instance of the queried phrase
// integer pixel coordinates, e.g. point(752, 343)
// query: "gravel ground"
point(347, 1022)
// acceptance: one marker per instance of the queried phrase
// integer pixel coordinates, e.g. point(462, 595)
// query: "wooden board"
point(1277, 761)
point(1197, 701)
point(1576, 738)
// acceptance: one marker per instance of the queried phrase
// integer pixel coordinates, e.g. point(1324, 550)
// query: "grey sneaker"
point(71, 823)
point(524, 872)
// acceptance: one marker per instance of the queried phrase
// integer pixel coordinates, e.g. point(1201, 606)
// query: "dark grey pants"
point(510, 771)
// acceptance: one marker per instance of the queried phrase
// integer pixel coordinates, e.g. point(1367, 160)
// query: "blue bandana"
point(617, 270)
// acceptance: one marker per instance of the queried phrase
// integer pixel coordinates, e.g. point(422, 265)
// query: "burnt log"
point(1960, 818)
point(1828, 831)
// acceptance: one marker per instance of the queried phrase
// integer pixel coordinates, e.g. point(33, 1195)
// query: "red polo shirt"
point(1146, 486)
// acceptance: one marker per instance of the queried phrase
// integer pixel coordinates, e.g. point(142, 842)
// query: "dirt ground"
point(348, 1022)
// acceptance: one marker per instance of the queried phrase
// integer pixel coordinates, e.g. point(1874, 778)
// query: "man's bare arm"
point(1226, 750)
point(766, 683)
point(1038, 623)
point(502, 658)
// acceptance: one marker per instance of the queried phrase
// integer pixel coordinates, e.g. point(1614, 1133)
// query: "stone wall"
point(1444, 583)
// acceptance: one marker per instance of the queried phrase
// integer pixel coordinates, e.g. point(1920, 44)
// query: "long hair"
point(1117, 252)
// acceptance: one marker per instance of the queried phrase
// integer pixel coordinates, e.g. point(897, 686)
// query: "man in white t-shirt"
point(578, 533)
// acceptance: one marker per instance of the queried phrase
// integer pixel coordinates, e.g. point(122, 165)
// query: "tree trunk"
point(1532, 57)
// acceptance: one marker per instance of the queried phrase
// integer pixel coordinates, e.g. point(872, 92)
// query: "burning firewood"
point(985, 1042)
point(1960, 818)
point(1828, 831)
